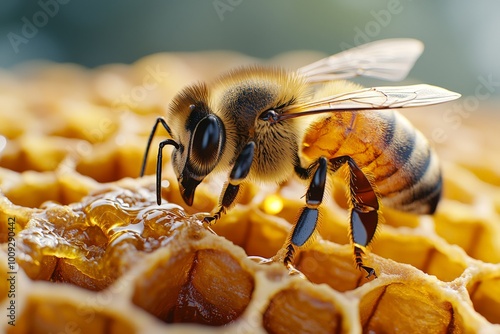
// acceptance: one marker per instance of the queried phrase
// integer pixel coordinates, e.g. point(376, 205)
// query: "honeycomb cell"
point(41, 187)
point(295, 310)
point(87, 121)
point(205, 286)
point(421, 252)
point(42, 315)
point(96, 240)
point(485, 295)
point(257, 233)
point(477, 236)
point(454, 188)
point(397, 219)
point(408, 307)
point(100, 162)
point(36, 153)
point(485, 173)
point(332, 265)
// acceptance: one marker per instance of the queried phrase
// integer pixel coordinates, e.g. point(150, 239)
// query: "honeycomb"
point(85, 249)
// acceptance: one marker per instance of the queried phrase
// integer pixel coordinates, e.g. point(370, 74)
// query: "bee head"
point(201, 143)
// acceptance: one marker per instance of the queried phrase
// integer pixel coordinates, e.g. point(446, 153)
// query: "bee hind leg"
point(364, 212)
point(358, 256)
point(363, 215)
point(239, 172)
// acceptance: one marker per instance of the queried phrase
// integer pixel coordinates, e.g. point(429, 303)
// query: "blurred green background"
point(462, 38)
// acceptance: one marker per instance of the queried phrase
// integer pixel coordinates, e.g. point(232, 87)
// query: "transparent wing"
point(375, 98)
point(389, 59)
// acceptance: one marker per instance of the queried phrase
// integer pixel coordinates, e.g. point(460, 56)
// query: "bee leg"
point(239, 172)
point(161, 121)
point(308, 219)
point(364, 213)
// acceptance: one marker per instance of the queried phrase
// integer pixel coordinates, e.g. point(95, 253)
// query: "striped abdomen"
point(397, 157)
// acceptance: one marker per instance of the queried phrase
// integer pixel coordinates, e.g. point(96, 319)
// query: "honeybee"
point(252, 123)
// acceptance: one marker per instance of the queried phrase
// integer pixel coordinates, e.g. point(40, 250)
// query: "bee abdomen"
point(386, 146)
point(407, 174)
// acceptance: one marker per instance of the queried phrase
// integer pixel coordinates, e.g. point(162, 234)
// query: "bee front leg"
point(239, 172)
point(308, 219)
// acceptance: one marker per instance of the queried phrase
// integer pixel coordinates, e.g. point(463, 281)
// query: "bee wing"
point(375, 98)
point(389, 59)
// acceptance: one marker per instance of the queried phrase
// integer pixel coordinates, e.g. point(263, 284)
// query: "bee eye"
point(270, 116)
point(206, 143)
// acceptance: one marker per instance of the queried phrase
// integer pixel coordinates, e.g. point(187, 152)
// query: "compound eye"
point(270, 116)
point(206, 143)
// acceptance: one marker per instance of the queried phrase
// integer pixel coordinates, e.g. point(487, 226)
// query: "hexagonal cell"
point(485, 173)
point(91, 243)
point(462, 226)
point(36, 153)
point(82, 119)
point(485, 295)
point(42, 315)
point(101, 163)
point(53, 240)
point(421, 252)
point(398, 219)
point(257, 233)
point(300, 310)
point(411, 306)
point(331, 264)
point(53, 187)
point(41, 187)
point(205, 286)
point(457, 184)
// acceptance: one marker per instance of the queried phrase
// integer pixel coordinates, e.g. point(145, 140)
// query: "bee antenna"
point(159, 165)
point(150, 139)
